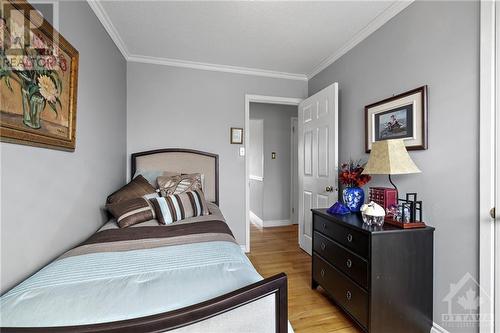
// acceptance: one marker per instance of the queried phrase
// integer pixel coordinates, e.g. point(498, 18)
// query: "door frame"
point(489, 128)
point(249, 98)
point(294, 174)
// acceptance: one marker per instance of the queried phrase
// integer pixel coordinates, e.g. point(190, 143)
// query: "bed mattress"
point(128, 273)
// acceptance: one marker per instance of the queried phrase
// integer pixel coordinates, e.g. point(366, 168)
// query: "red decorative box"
point(384, 196)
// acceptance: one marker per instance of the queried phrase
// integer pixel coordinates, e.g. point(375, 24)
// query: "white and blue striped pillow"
point(176, 207)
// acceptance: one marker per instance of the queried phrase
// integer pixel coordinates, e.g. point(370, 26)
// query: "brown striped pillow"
point(176, 207)
point(137, 188)
point(131, 211)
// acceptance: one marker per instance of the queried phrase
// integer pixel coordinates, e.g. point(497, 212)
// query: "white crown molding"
point(376, 23)
point(216, 67)
point(108, 26)
point(101, 14)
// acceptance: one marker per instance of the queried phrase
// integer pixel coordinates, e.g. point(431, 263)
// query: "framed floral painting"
point(38, 80)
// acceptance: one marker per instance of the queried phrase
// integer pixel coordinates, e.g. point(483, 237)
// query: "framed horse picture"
point(38, 80)
point(403, 116)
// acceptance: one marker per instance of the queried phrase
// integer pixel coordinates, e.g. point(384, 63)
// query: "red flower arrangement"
point(350, 174)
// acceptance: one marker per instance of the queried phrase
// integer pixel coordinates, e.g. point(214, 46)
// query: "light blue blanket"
point(110, 286)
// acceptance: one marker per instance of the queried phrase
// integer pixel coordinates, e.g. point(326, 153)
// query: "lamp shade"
point(390, 157)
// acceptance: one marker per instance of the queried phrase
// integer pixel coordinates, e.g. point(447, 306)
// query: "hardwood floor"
point(275, 250)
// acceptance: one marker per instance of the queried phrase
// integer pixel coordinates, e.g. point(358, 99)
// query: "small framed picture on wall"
point(236, 135)
point(399, 117)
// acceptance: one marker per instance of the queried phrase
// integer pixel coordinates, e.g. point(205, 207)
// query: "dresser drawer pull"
point(322, 273)
point(348, 263)
point(323, 246)
point(349, 238)
point(348, 295)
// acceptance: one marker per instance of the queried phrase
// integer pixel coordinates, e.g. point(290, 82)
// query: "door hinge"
point(293, 210)
point(293, 129)
point(492, 213)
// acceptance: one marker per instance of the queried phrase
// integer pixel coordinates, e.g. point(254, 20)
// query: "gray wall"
point(276, 185)
point(433, 43)
point(180, 107)
point(51, 199)
point(257, 197)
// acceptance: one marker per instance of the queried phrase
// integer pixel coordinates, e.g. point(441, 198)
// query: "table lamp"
point(390, 157)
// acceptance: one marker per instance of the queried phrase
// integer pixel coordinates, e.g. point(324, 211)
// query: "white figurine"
point(373, 213)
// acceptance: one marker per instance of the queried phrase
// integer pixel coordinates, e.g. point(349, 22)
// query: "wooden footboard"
point(162, 322)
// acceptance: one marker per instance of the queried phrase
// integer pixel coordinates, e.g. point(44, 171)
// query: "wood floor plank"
point(276, 250)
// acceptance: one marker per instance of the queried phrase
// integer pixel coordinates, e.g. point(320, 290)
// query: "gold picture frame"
point(38, 80)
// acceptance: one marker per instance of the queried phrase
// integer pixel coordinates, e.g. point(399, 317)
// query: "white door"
point(489, 177)
point(318, 158)
point(496, 210)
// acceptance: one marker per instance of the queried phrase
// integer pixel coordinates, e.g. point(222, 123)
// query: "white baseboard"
point(438, 329)
point(244, 248)
point(276, 223)
point(259, 223)
point(254, 219)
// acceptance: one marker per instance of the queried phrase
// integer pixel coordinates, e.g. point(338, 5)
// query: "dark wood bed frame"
point(275, 285)
point(167, 321)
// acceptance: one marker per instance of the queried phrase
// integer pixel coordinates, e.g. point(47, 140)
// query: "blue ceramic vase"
point(354, 197)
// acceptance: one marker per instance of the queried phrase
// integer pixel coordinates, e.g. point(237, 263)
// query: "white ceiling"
point(290, 38)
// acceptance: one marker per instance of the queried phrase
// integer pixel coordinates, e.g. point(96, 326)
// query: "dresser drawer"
point(345, 292)
point(350, 238)
point(346, 261)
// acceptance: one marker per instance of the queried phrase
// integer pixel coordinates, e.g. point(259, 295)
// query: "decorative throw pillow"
point(179, 184)
point(152, 175)
point(131, 211)
point(137, 188)
point(177, 207)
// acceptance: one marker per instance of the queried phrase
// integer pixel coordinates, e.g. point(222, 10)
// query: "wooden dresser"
point(380, 276)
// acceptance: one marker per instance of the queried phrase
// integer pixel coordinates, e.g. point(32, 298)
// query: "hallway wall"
point(274, 190)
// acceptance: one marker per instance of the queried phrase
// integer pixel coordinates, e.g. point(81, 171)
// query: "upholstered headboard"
point(182, 161)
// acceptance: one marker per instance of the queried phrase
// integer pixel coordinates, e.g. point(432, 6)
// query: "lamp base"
point(394, 185)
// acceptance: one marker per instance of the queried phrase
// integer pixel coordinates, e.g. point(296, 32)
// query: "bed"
point(189, 276)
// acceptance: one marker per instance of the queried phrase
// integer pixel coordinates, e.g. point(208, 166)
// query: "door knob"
point(492, 213)
point(329, 189)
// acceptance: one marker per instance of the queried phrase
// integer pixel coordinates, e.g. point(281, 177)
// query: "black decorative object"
point(414, 206)
point(408, 213)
